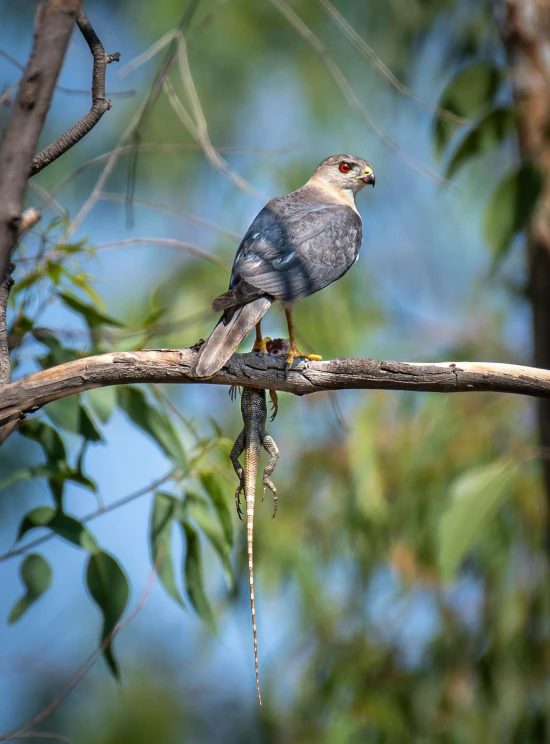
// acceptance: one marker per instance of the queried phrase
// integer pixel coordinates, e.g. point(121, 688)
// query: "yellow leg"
point(294, 352)
point(260, 342)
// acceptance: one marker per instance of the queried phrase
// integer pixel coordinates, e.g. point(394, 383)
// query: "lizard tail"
point(249, 496)
point(227, 335)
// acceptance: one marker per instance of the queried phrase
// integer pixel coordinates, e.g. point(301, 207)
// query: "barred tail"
point(227, 335)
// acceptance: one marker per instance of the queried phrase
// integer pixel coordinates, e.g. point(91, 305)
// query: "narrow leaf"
point(102, 402)
point(197, 509)
point(70, 414)
point(36, 576)
point(213, 488)
point(510, 207)
point(490, 131)
point(93, 317)
point(475, 497)
point(165, 507)
point(61, 524)
point(193, 577)
point(470, 92)
point(109, 588)
point(152, 421)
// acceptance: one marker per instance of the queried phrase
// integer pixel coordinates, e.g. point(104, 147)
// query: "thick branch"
point(54, 23)
point(99, 103)
point(266, 371)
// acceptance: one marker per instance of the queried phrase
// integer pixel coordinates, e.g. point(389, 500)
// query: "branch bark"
point(54, 23)
point(99, 103)
point(266, 371)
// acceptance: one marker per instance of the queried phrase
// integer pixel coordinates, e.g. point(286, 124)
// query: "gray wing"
point(294, 254)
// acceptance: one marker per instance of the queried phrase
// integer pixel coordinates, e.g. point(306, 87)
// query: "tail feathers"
point(242, 294)
point(226, 337)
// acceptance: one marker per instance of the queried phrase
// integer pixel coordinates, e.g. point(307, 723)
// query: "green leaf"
point(510, 207)
point(193, 577)
point(197, 509)
point(54, 449)
point(108, 587)
point(153, 422)
point(486, 134)
point(36, 576)
point(165, 508)
point(59, 354)
point(61, 524)
point(470, 92)
point(213, 488)
point(102, 401)
point(70, 414)
point(93, 317)
point(475, 497)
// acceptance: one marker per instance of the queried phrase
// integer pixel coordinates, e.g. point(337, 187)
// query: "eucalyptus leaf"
point(214, 489)
point(164, 509)
point(152, 421)
point(468, 94)
point(69, 413)
point(102, 401)
point(510, 208)
point(109, 588)
point(36, 575)
point(486, 134)
point(198, 509)
point(193, 577)
point(475, 497)
point(93, 317)
point(61, 524)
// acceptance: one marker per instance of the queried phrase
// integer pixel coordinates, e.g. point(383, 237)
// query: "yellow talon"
point(261, 344)
point(295, 353)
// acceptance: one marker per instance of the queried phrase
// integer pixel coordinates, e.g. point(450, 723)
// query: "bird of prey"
point(297, 245)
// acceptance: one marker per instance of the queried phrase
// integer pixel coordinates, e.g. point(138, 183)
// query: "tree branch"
point(266, 371)
point(54, 23)
point(99, 103)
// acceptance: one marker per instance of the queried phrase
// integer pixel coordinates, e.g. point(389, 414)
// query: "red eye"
point(344, 167)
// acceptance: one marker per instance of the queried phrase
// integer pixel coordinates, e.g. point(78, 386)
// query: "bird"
point(297, 245)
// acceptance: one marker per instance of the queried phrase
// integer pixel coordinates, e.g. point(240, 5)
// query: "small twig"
point(165, 242)
point(94, 515)
point(364, 49)
point(319, 48)
point(99, 103)
point(176, 212)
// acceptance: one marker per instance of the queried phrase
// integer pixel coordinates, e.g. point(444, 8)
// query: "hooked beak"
point(369, 178)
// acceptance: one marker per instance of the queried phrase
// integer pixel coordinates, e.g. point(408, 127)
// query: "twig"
point(176, 212)
point(136, 131)
point(364, 49)
point(54, 23)
point(266, 371)
point(94, 515)
point(165, 242)
point(319, 48)
point(99, 103)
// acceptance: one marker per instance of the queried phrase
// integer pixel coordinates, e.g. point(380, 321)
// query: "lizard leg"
point(259, 341)
point(294, 352)
point(271, 448)
point(274, 403)
point(236, 452)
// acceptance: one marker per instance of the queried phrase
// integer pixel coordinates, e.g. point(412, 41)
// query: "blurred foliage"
point(414, 575)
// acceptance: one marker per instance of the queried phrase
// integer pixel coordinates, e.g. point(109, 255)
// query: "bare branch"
point(99, 103)
point(54, 23)
point(266, 371)
point(165, 242)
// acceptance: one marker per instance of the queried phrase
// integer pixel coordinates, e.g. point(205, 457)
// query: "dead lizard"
point(250, 441)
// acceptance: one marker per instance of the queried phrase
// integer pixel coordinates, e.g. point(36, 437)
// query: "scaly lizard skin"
point(250, 441)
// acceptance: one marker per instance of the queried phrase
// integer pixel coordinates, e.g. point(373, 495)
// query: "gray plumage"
point(297, 245)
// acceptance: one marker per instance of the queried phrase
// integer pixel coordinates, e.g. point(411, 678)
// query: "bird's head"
point(347, 173)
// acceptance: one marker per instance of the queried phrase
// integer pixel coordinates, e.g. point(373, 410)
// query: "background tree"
point(372, 627)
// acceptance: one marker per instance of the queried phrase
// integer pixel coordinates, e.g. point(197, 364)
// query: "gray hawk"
point(297, 245)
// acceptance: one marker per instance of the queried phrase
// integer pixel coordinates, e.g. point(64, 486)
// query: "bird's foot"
point(295, 353)
point(261, 345)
